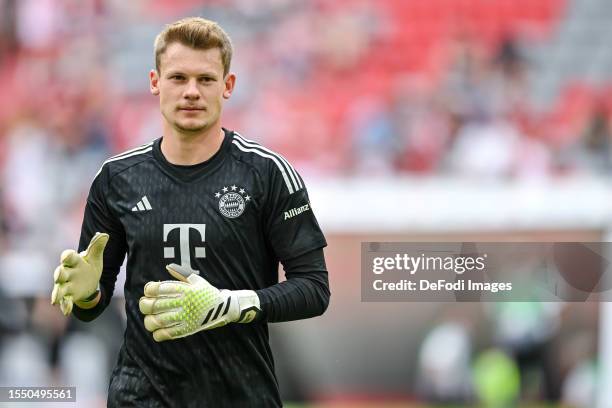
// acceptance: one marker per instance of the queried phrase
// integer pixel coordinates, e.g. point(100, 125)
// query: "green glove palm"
point(76, 279)
point(175, 309)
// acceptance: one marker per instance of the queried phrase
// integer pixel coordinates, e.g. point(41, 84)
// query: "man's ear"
point(154, 82)
point(230, 83)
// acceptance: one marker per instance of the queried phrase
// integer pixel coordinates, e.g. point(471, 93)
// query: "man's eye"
point(207, 79)
point(178, 77)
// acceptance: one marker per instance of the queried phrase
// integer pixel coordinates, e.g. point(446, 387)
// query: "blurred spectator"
point(376, 143)
point(592, 152)
point(526, 332)
point(444, 364)
point(422, 125)
point(579, 386)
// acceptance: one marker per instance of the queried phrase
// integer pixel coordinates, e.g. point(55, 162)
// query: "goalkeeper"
point(204, 216)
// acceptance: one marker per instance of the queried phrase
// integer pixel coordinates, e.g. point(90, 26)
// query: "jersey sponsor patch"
point(232, 201)
point(297, 210)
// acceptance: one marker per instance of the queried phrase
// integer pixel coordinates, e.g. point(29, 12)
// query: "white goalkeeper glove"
point(76, 279)
point(175, 309)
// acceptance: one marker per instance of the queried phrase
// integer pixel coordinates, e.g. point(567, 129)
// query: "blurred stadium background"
point(426, 120)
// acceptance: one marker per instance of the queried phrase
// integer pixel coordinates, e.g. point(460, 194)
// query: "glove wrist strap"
point(249, 305)
point(90, 302)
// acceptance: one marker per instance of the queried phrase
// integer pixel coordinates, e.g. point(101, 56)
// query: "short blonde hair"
point(198, 33)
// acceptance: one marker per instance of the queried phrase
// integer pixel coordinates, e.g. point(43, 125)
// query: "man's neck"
point(187, 149)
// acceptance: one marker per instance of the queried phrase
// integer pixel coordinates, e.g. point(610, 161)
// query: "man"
point(214, 211)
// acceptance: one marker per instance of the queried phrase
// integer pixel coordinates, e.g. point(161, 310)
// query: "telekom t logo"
point(200, 252)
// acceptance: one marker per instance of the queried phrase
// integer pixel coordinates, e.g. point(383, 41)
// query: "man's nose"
point(192, 91)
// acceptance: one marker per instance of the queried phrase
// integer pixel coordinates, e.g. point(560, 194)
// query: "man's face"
point(191, 87)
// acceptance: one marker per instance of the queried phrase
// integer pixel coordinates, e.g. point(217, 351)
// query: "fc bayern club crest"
point(232, 201)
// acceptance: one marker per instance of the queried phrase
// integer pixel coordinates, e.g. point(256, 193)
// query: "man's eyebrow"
point(201, 74)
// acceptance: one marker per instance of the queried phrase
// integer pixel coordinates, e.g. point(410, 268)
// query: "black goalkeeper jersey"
point(231, 219)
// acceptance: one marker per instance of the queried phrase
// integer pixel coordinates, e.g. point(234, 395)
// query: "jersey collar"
point(193, 171)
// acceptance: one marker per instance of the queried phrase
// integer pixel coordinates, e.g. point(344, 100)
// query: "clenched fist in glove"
point(175, 309)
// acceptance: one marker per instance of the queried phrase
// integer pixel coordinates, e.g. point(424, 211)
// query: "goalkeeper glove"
point(76, 279)
point(175, 309)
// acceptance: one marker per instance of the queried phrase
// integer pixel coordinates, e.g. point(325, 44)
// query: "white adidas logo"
point(143, 205)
